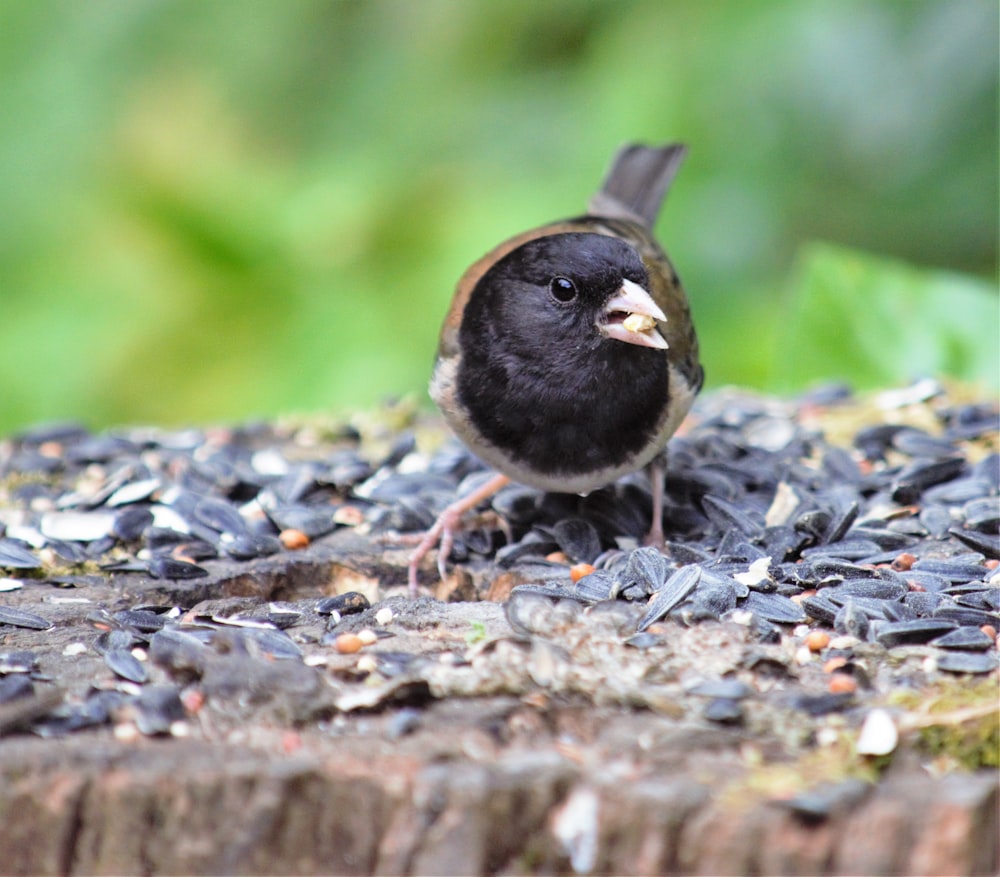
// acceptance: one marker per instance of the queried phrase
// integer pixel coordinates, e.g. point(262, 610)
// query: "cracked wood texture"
point(187, 807)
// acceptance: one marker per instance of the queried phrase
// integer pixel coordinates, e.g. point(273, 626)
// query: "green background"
point(217, 209)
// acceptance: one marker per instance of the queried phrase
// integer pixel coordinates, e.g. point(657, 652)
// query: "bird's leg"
point(656, 471)
point(446, 525)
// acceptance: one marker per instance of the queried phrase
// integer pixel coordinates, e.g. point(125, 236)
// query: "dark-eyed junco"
point(568, 357)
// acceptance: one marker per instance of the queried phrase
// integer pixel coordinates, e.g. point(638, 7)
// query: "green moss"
point(957, 720)
point(954, 721)
point(781, 780)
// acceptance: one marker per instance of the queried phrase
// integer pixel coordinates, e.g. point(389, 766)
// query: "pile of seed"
point(890, 536)
point(894, 540)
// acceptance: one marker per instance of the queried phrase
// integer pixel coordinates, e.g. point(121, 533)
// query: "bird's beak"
point(631, 316)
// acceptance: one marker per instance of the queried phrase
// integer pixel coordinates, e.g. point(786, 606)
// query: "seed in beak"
point(638, 323)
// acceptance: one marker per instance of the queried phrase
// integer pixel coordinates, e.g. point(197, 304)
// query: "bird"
point(568, 356)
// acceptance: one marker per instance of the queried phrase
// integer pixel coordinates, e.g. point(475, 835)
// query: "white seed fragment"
point(383, 616)
point(827, 736)
point(126, 732)
point(638, 323)
point(76, 526)
point(756, 573)
point(878, 734)
point(576, 827)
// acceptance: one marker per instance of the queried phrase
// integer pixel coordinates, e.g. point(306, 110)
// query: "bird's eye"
point(563, 289)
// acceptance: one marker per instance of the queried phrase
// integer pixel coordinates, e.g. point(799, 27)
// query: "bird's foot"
point(445, 527)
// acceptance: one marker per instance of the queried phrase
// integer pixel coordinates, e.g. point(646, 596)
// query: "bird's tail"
point(637, 182)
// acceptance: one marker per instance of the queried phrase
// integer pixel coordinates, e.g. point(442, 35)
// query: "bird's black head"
point(540, 375)
point(551, 292)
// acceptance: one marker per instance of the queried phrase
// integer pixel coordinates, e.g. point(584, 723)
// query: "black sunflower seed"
point(533, 545)
point(179, 652)
point(726, 689)
point(774, 607)
point(976, 596)
point(116, 638)
point(709, 601)
point(16, 555)
point(959, 491)
point(157, 708)
point(674, 591)
point(345, 604)
point(888, 540)
point(914, 479)
point(898, 611)
point(852, 620)
point(645, 640)
point(936, 520)
point(597, 586)
point(131, 523)
point(578, 539)
point(966, 639)
point(821, 609)
point(169, 568)
point(822, 704)
point(135, 491)
point(929, 581)
point(271, 642)
point(952, 570)
point(875, 589)
point(923, 602)
point(921, 630)
point(818, 804)
point(123, 663)
point(917, 443)
point(727, 515)
point(314, 522)
point(15, 687)
point(967, 662)
point(842, 522)
point(646, 567)
point(141, 620)
point(988, 544)
point(966, 617)
point(20, 618)
point(683, 554)
point(846, 549)
point(983, 515)
point(724, 711)
point(872, 607)
point(18, 662)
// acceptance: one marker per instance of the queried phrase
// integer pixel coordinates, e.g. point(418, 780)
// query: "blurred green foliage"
point(878, 322)
point(215, 209)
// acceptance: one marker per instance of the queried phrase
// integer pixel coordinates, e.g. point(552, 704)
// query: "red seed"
point(903, 562)
point(193, 700)
point(817, 640)
point(841, 683)
point(348, 643)
point(293, 539)
point(579, 570)
point(835, 664)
